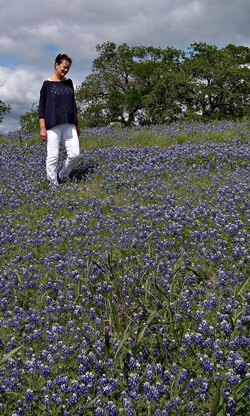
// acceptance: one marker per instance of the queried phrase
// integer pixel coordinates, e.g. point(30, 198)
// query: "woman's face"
point(62, 69)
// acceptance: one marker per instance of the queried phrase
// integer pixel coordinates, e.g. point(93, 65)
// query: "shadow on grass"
point(80, 172)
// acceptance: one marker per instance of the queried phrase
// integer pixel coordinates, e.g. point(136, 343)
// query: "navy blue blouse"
point(57, 103)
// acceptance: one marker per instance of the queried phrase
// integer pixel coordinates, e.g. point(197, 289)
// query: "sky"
point(33, 32)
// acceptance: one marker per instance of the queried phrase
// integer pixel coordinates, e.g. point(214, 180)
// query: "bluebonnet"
point(151, 208)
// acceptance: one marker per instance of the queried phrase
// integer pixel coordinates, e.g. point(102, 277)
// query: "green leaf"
point(9, 355)
point(87, 406)
point(216, 401)
point(241, 385)
point(123, 340)
point(140, 333)
point(240, 289)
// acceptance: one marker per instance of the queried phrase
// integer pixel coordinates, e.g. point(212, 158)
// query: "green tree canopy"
point(220, 80)
point(4, 109)
point(154, 85)
point(29, 121)
point(122, 78)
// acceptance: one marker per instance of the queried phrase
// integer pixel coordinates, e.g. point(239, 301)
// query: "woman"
point(58, 120)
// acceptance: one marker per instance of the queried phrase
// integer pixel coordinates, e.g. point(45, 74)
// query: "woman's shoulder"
point(45, 82)
point(69, 81)
point(44, 86)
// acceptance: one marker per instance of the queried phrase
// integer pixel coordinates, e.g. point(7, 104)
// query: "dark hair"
point(62, 57)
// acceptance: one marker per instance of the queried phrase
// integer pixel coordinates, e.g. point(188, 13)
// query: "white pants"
point(68, 135)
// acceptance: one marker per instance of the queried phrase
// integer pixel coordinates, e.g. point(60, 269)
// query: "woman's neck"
point(55, 77)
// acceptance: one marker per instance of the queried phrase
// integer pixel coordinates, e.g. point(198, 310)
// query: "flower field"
point(125, 291)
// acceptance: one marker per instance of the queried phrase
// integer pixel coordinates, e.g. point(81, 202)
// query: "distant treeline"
point(151, 85)
point(148, 85)
point(4, 109)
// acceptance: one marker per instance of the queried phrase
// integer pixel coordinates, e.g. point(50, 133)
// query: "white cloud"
point(19, 88)
point(19, 85)
point(6, 44)
point(77, 26)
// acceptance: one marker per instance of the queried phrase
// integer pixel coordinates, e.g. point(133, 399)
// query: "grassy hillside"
point(125, 291)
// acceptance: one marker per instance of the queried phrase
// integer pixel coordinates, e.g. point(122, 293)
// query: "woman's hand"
point(43, 134)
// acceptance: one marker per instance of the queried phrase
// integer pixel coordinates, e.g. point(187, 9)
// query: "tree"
point(121, 78)
point(4, 109)
point(170, 91)
point(219, 80)
point(151, 85)
point(29, 121)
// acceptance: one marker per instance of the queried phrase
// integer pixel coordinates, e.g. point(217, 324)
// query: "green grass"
point(148, 292)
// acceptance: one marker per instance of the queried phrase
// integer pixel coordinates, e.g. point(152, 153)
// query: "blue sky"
point(9, 61)
point(33, 32)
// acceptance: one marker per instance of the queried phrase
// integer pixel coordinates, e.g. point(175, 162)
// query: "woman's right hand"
point(43, 134)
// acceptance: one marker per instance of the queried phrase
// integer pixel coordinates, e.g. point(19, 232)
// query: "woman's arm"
point(41, 113)
point(43, 132)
